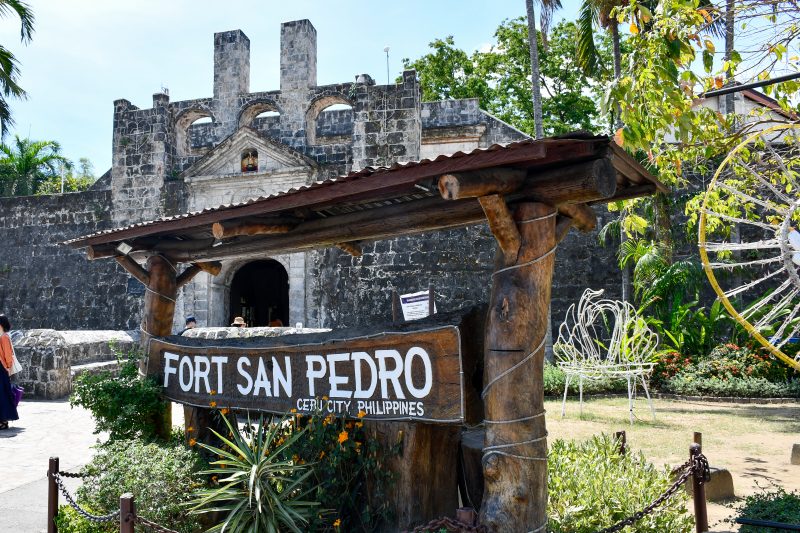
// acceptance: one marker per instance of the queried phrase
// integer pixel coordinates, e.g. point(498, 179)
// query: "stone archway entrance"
point(260, 294)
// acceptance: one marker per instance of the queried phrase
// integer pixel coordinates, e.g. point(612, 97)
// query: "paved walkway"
point(45, 429)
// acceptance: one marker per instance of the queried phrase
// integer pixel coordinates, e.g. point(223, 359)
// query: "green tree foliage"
point(9, 68)
point(25, 165)
point(75, 179)
point(500, 78)
point(124, 405)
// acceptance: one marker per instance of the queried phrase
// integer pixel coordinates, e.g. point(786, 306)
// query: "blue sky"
point(87, 53)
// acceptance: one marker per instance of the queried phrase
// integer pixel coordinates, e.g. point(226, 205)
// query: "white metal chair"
point(583, 350)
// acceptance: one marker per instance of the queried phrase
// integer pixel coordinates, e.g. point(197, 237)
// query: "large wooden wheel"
point(755, 193)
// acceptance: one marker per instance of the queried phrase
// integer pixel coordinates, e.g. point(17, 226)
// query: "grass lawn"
point(753, 441)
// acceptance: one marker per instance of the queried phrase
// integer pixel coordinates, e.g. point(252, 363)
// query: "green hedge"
point(161, 476)
point(591, 486)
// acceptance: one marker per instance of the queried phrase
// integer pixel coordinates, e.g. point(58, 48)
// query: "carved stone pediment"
point(225, 159)
point(218, 177)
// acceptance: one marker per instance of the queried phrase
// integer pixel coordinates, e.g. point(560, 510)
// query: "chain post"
point(698, 491)
point(622, 440)
point(127, 513)
point(698, 438)
point(52, 495)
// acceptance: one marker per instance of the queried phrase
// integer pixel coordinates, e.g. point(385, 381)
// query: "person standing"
point(7, 409)
point(191, 323)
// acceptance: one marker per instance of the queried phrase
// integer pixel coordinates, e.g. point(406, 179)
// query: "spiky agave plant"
point(259, 489)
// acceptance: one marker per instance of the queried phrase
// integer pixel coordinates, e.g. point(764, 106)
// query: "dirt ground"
point(752, 441)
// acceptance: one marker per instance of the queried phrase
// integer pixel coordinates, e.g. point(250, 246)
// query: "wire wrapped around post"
point(515, 447)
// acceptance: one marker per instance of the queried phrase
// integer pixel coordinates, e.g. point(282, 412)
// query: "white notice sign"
point(415, 305)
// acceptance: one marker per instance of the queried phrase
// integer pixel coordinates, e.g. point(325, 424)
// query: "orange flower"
point(343, 436)
point(337, 523)
point(192, 442)
point(213, 392)
point(214, 479)
point(225, 411)
point(213, 404)
point(292, 410)
point(361, 414)
point(359, 424)
point(325, 398)
point(190, 428)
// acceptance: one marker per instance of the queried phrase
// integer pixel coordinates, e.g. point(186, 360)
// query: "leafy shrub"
point(348, 470)
point(125, 405)
point(668, 364)
point(256, 486)
point(733, 360)
point(592, 486)
point(776, 505)
point(554, 380)
point(740, 387)
point(68, 519)
point(161, 476)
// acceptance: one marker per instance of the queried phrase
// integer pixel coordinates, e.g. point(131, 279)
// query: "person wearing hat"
point(191, 323)
point(239, 322)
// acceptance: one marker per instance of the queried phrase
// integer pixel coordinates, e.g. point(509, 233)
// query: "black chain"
point(80, 475)
point(152, 525)
point(697, 465)
point(110, 517)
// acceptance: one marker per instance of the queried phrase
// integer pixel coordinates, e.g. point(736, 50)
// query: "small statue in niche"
point(250, 161)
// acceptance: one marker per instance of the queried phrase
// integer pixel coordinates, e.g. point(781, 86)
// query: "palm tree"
point(9, 70)
point(26, 164)
point(548, 8)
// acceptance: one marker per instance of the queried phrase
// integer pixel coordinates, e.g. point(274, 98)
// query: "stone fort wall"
point(46, 285)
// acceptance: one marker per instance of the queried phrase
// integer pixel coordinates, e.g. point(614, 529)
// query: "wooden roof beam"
point(502, 225)
point(352, 248)
point(213, 268)
point(226, 229)
point(134, 269)
point(481, 183)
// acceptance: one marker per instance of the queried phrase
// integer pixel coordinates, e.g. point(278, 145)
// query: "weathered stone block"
point(795, 459)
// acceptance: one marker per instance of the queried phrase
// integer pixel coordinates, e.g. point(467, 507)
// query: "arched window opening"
point(329, 120)
point(250, 160)
point(260, 294)
point(194, 133)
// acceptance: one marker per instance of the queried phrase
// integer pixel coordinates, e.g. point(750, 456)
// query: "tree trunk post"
point(515, 451)
point(52, 495)
point(159, 311)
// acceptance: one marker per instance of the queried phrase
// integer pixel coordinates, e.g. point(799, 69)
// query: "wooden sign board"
point(413, 375)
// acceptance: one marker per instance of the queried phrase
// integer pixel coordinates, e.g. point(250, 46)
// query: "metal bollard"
point(52, 495)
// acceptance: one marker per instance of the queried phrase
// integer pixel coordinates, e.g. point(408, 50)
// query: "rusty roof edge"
point(638, 167)
point(131, 231)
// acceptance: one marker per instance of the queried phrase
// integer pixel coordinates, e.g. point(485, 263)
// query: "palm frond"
point(586, 51)
point(23, 11)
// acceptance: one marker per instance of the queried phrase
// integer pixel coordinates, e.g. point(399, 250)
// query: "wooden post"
point(698, 438)
point(127, 513)
point(159, 311)
point(515, 451)
point(52, 495)
point(698, 495)
point(622, 440)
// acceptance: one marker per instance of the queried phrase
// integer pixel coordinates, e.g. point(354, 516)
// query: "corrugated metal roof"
point(504, 151)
